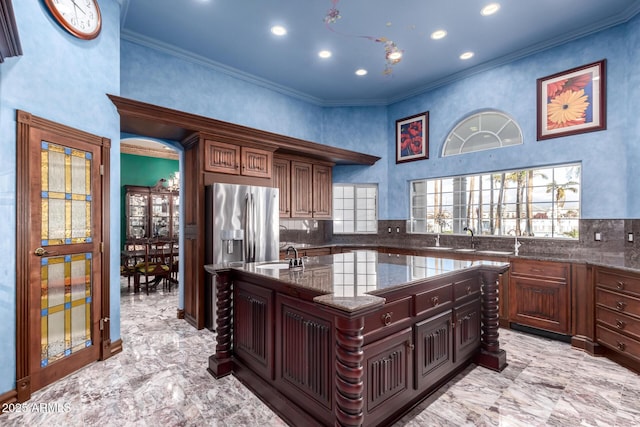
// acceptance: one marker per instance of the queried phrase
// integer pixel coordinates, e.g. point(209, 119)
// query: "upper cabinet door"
point(301, 189)
point(256, 162)
point(282, 181)
point(322, 191)
point(222, 158)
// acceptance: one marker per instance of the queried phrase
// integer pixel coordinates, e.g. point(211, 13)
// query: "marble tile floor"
point(160, 379)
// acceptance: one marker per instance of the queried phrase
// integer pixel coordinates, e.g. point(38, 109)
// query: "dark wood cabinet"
point(151, 212)
point(617, 297)
point(467, 330)
point(434, 350)
point(306, 188)
point(282, 181)
point(301, 189)
point(539, 295)
point(322, 197)
point(253, 339)
point(388, 377)
point(220, 157)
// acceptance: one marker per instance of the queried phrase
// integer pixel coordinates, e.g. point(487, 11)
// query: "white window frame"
point(353, 214)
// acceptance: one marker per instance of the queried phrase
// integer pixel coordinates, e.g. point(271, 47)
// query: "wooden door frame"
point(25, 123)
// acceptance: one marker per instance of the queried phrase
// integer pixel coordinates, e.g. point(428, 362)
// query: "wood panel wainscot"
point(367, 360)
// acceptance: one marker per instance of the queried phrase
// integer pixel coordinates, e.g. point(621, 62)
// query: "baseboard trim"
point(9, 397)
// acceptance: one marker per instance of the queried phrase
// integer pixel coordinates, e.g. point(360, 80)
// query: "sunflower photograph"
point(572, 101)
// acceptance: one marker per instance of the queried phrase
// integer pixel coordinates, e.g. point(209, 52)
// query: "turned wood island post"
point(321, 348)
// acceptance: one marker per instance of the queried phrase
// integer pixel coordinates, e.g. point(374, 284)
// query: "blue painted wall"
point(162, 79)
point(63, 79)
point(607, 182)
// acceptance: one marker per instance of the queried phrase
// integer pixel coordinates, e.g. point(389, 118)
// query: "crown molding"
point(148, 152)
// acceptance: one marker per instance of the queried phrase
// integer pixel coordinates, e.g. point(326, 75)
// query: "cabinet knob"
point(434, 301)
point(386, 319)
point(620, 305)
point(468, 290)
point(620, 324)
point(620, 285)
point(410, 345)
point(621, 346)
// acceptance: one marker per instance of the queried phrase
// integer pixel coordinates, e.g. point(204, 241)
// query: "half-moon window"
point(482, 131)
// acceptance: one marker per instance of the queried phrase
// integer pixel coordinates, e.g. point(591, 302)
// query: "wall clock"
point(81, 18)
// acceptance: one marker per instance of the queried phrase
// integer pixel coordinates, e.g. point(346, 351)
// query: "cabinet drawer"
point(619, 321)
point(618, 282)
point(387, 316)
point(546, 269)
point(433, 299)
point(618, 342)
point(464, 288)
point(618, 302)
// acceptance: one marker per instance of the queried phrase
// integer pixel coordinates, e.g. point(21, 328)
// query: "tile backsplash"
point(613, 233)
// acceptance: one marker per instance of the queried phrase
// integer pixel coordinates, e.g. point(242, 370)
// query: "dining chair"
point(153, 268)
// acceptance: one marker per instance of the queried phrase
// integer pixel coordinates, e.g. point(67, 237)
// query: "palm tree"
point(499, 178)
point(518, 177)
point(560, 194)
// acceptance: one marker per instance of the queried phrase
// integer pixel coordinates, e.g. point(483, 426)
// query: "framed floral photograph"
point(572, 101)
point(412, 138)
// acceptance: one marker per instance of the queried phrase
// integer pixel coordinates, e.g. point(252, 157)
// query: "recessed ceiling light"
point(361, 72)
point(467, 55)
point(438, 34)
point(324, 54)
point(278, 30)
point(490, 9)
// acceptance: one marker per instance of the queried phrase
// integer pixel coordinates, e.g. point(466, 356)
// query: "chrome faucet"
point(437, 240)
point(468, 229)
point(294, 262)
point(516, 246)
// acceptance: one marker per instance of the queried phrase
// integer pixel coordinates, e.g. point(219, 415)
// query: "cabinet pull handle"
point(410, 345)
point(621, 346)
point(386, 319)
point(535, 270)
point(468, 290)
point(620, 305)
point(620, 285)
point(434, 300)
point(620, 324)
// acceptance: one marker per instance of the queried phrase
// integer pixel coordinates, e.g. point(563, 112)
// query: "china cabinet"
point(151, 212)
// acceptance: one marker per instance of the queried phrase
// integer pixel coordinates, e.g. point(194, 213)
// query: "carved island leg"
point(349, 372)
point(490, 355)
point(220, 363)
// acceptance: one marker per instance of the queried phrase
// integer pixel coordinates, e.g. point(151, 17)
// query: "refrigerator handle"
point(253, 229)
point(247, 231)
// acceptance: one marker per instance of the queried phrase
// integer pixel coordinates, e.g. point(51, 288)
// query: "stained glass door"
point(65, 235)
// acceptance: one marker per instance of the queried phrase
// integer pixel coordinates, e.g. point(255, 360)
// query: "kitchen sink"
point(502, 253)
point(274, 265)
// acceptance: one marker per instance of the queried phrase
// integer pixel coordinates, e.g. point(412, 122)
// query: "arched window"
point(482, 131)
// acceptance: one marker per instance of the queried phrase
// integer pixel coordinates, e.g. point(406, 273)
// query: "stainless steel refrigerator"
point(242, 225)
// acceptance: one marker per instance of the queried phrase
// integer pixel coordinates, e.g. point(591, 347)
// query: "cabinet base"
point(494, 361)
point(219, 368)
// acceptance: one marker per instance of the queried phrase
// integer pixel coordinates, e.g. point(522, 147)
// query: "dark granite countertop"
point(618, 260)
point(354, 280)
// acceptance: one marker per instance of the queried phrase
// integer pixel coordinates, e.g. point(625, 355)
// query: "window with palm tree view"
point(539, 202)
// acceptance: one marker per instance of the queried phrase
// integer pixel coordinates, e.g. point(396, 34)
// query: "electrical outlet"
point(389, 229)
point(630, 237)
point(397, 229)
point(597, 236)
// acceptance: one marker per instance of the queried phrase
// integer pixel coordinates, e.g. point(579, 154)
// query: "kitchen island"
point(357, 338)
